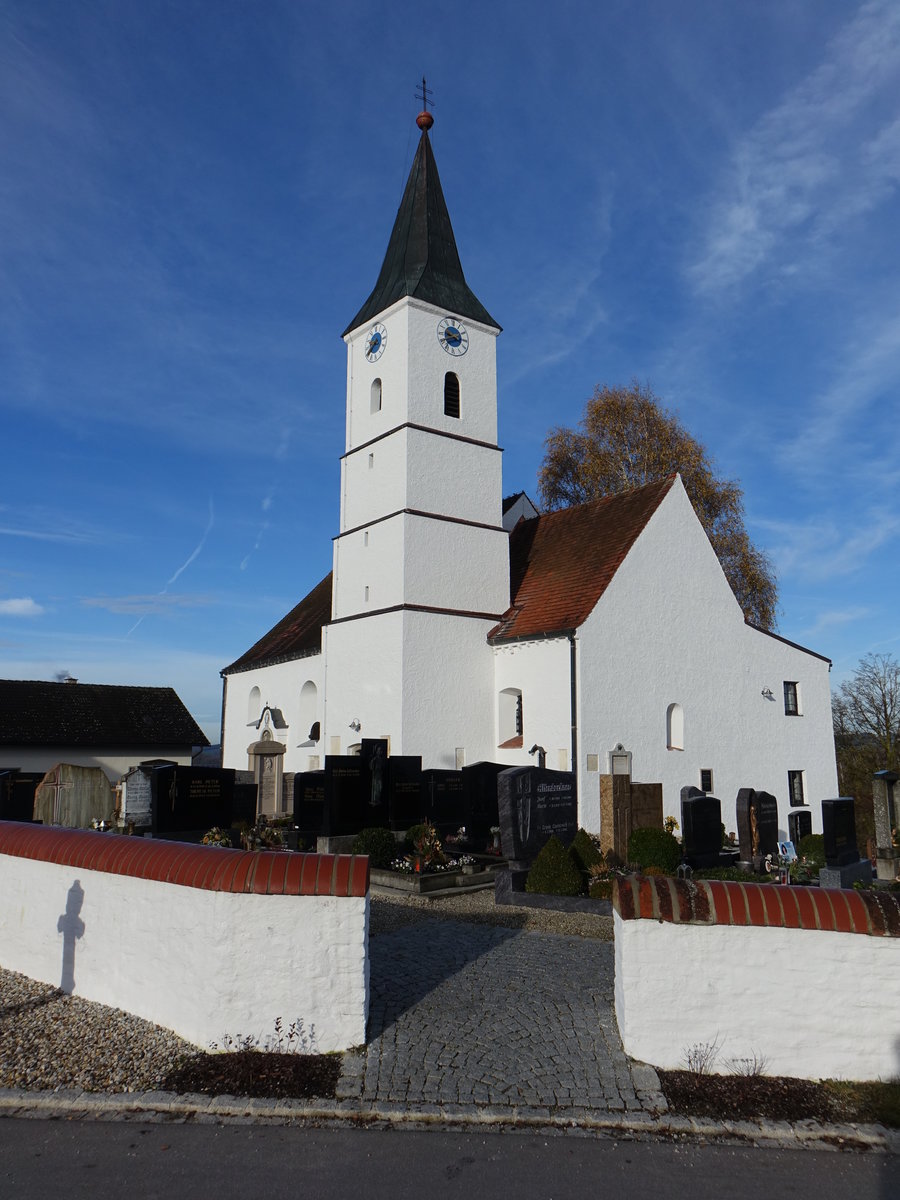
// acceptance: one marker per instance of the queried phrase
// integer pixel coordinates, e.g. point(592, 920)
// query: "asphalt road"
point(42, 1158)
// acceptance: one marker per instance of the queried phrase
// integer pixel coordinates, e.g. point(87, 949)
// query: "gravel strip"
point(49, 1040)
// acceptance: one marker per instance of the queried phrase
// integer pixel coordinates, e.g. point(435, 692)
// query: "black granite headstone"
point(374, 755)
point(839, 829)
point(309, 805)
point(404, 783)
point(757, 822)
point(191, 799)
point(482, 812)
point(348, 796)
point(701, 827)
point(444, 799)
point(799, 824)
point(534, 805)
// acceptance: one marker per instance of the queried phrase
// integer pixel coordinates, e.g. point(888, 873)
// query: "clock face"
point(452, 336)
point(376, 340)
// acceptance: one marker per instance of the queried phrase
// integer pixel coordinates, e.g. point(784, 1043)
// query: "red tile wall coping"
point(720, 902)
point(268, 873)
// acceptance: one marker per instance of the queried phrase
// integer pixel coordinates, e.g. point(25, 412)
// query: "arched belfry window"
point(451, 395)
point(376, 396)
point(510, 718)
point(675, 727)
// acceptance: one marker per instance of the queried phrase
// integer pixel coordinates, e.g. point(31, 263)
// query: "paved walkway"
point(464, 1014)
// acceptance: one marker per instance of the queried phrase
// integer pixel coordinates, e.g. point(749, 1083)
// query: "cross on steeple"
point(424, 93)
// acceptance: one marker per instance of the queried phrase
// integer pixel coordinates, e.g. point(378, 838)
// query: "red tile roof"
point(561, 563)
point(295, 636)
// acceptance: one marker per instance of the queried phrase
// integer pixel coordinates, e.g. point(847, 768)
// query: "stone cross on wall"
point(57, 785)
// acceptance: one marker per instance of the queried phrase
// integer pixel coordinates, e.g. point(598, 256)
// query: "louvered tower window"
point(451, 395)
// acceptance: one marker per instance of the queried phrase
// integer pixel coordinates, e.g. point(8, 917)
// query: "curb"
point(806, 1135)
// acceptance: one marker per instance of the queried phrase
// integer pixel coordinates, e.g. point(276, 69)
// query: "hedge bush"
point(553, 873)
point(584, 852)
point(380, 845)
point(812, 848)
point(654, 848)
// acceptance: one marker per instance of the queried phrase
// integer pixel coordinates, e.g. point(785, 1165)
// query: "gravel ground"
point(49, 1040)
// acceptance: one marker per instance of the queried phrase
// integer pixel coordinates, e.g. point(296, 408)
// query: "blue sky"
point(196, 199)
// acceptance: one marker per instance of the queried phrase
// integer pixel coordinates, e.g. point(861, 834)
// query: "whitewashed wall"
point(540, 669)
point(201, 963)
point(668, 630)
point(281, 687)
point(811, 1003)
point(113, 762)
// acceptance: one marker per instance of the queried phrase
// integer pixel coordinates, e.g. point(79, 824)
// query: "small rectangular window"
point(791, 705)
point(593, 762)
point(795, 789)
point(706, 780)
point(371, 461)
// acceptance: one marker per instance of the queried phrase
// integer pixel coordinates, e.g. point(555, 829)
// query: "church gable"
point(561, 563)
point(297, 635)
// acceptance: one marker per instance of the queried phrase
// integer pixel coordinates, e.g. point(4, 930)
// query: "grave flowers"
point(217, 837)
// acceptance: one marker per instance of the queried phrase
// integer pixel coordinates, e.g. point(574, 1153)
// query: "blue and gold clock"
point(452, 336)
point(376, 340)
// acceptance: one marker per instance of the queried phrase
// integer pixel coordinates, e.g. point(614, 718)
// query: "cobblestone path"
point(464, 1014)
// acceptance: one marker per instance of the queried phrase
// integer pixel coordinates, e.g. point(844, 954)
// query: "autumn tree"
point(627, 438)
point(866, 713)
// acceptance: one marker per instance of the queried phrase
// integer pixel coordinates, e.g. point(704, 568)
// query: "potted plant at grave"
point(217, 837)
point(426, 851)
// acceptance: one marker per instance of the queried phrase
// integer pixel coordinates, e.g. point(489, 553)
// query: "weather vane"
point(425, 95)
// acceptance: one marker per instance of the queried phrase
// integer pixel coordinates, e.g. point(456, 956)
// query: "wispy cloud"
point(834, 619)
point(192, 557)
point(43, 526)
point(809, 163)
point(144, 606)
point(21, 607)
point(820, 548)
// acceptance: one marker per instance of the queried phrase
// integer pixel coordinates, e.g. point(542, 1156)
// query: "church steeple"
point(422, 260)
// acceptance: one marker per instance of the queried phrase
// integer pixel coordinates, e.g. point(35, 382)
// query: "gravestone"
point(309, 805)
point(757, 822)
point(887, 856)
point(17, 790)
point(701, 828)
point(534, 805)
point(843, 866)
point(348, 796)
point(191, 799)
point(404, 782)
point(799, 824)
point(444, 799)
point(481, 803)
point(74, 797)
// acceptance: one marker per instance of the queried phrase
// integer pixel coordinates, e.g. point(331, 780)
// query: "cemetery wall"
point(802, 978)
point(669, 631)
point(203, 941)
point(114, 762)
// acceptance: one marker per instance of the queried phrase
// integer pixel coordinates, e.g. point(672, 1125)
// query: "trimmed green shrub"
point(584, 853)
point(654, 848)
point(553, 873)
point(812, 848)
point(380, 845)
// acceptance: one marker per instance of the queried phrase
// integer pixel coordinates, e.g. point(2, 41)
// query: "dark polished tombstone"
point(701, 828)
point(839, 830)
point(191, 799)
point(482, 812)
point(444, 799)
point(799, 824)
point(17, 790)
point(757, 822)
point(405, 799)
point(534, 804)
point(843, 865)
point(309, 805)
point(348, 796)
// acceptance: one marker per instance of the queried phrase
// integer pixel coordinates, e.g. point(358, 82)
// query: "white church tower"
point(421, 567)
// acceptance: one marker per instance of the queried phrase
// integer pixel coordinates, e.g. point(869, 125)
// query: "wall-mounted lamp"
point(767, 694)
point(541, 753)
point(355, 725)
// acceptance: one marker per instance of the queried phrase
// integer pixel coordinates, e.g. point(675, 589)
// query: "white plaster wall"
point(201, 963)
point(280, 687)
point(668, 629)
point(377, 565)
point(447, 565)
point(814, 1004)
point(454, 478)
point(372, 491)
point(448, 689)
point(540, 670)
point(365, 664)
point(113, 762)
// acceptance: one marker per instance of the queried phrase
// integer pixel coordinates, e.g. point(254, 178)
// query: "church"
point(463, 627)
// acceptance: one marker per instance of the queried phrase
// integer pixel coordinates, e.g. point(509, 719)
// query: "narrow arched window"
point(253, 706)
point(675, 727)
point(375, 405)
point(451, 395)
point(510, 718)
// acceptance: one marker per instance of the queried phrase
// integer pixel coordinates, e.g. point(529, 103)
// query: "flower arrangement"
point(670, 825)
point(217, 837)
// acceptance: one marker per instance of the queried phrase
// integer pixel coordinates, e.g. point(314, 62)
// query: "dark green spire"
point(422, 260)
